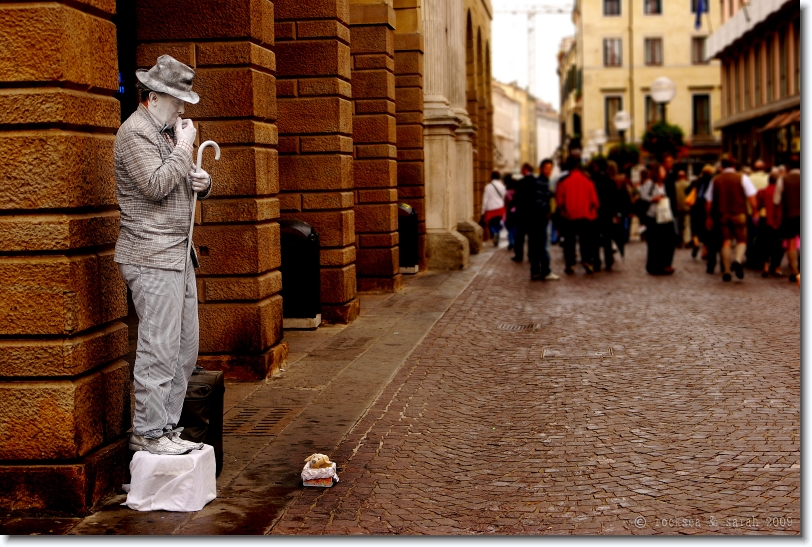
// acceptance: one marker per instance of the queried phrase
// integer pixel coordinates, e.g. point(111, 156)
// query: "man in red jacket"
point(577, 203)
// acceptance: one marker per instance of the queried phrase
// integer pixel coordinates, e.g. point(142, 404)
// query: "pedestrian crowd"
point(736, 218)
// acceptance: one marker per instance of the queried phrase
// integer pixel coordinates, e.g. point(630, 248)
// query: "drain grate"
point(258, 421)
point(516, 328)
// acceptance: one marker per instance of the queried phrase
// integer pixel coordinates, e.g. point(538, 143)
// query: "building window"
point(746, 62)
point(770, 66)
point(611, 7)
point(783, 67)
point(797, 25)
point(654, 51)
point(757, 73)
point(612, 105)
point(728, 71)
point(612, 52)
point(737, 85)
point(654, 112)
point(701, 115)
point(652, 7)
point(698, 50)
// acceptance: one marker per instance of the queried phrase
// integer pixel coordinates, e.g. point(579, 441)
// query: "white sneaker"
point(161, 446)
point(551, 277)
point(174, 436)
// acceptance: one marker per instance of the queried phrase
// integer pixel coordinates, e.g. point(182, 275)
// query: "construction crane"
point(531, 10)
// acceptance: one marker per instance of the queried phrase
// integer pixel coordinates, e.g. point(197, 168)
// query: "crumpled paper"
point(308, 474)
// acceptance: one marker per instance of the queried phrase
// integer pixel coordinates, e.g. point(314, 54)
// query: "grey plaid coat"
point(154, 194)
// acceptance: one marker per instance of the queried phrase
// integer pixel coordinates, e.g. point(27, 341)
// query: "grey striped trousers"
point(168, 338)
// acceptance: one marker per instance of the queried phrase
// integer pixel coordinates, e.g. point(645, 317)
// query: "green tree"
point(625, 156)
point(663, 138)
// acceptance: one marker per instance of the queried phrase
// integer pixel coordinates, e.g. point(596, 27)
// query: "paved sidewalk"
point(478, 402)
point(332, 376)
point(631, 405)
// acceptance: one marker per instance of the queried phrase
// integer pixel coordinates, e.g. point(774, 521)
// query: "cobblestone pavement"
point(631, 405)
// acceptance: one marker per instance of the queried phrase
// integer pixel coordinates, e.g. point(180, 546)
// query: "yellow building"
point(569, 77)
point(620, 48)
point(527, 119)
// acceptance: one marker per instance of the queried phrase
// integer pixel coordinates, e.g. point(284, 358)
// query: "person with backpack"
point(493, 206)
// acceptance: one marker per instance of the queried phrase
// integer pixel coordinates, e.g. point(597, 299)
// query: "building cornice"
point(743, 22)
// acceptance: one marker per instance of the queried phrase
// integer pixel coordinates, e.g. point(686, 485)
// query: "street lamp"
point(623, 121)
point(590, 148)
point(599, 138)
point(662, 92)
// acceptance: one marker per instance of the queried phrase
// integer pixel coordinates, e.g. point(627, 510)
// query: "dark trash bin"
point(301, 276)
point(407, 235)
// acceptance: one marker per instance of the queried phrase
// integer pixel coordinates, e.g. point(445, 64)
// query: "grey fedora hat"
point(170, 76)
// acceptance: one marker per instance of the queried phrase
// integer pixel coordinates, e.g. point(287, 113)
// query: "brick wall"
point(315, 139)
point(237, 236)
point(374, 140)
point(64, 390)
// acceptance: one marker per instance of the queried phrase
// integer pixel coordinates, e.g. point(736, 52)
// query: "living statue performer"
point(155, 181)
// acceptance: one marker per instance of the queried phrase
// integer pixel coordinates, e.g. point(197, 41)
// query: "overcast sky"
point(509, 39)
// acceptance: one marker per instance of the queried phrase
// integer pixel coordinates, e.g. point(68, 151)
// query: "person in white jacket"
point(493, 206)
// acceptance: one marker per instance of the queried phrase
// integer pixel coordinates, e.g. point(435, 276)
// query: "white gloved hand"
point(185, 130)
point(200, 180)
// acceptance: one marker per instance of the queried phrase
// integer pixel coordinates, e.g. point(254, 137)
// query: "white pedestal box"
point(172, 483)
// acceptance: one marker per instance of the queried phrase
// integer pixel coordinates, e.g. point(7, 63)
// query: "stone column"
point(409, 100)
point(64, 389)
point(464, 135)
point(237, 237)
point(315, 139)
point(446, 247)
point(372, 27)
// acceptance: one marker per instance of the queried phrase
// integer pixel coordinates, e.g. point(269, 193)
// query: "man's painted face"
point(166, 108)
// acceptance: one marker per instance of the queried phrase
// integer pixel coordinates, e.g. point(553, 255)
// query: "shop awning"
point(783, 119)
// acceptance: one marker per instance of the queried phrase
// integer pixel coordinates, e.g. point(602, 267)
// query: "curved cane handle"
point(200, 153)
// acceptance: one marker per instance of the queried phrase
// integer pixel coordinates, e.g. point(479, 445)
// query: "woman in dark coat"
point(661, 237)
point(699, 232)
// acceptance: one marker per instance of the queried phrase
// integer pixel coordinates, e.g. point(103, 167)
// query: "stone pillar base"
point(447, 250)
point(380, 284)
point(473, 232)
point(341, 313)
point(247, 367)
point(301, 322)
point(70, 489)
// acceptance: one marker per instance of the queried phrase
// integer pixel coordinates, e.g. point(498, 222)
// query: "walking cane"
point(194, 198)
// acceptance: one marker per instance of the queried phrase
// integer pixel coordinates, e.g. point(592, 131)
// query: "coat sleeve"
point(207, 193)
point(154, 178)
point(559, 196)
point(596, 202)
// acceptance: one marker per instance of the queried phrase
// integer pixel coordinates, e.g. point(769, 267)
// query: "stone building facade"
point(331, 112)
point(760, 52)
